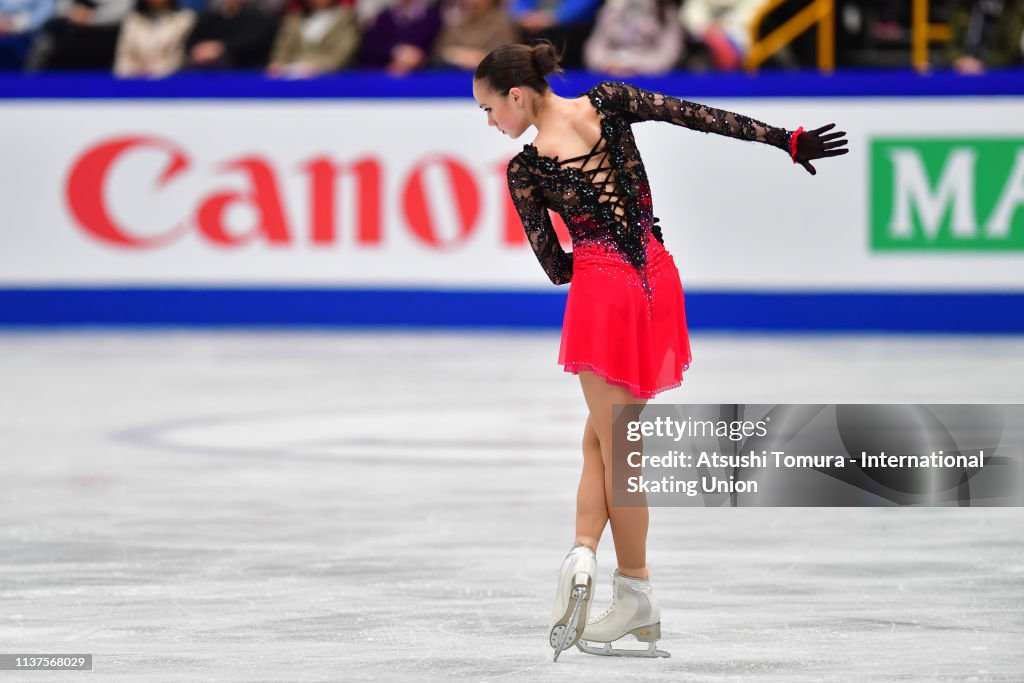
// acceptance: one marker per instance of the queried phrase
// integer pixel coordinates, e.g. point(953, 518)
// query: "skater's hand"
point(812, 144)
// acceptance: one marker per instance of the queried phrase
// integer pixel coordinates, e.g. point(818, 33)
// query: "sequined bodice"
point(604, 196)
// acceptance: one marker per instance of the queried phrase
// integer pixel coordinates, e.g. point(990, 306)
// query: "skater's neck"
point(549, 109)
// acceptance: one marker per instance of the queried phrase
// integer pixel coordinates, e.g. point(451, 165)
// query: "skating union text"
point(713, 484)
point(676, 459)
point(689, 486)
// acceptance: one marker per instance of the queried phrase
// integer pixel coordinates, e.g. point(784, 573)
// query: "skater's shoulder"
point(608, 91)
point(522, 164)
point(609, 86)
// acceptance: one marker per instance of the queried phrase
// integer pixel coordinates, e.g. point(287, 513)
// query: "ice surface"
point(317, 506)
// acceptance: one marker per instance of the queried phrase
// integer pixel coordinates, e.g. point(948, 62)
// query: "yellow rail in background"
point(820, 12)
point(922, 32)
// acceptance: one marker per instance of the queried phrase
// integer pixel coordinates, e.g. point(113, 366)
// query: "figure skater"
point(624, 332)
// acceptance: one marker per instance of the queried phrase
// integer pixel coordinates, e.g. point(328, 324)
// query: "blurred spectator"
point(367, 10)
point(401, 37)
point(566, 23)
point(152, 40)
point(472, 28)
point(272, 8)
point(890, 19)
point(635, 37)
point(721, 27)
point(232, 34)
point(20, 21)
point(867, 33)
point(987, 33)
point(81, 35)
point(322, 38)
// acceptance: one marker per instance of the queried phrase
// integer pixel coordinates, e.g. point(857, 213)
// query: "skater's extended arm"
point(637, 104)
point(537, 224)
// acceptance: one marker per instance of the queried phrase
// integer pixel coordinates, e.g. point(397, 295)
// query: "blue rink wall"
point(887, 312)
point(973, 307)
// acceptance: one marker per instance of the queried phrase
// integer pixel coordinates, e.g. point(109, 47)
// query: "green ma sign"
point(954, 194)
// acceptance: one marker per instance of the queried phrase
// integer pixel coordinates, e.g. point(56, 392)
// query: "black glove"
point(812, 144)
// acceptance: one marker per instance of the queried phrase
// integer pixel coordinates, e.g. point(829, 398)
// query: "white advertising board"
point(411, 193)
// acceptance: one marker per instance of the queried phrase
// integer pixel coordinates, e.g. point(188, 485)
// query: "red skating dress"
point(624, 316)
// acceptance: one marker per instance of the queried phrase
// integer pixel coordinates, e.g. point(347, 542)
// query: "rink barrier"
point(31, 305)
point(874, 312)
point(454, 84)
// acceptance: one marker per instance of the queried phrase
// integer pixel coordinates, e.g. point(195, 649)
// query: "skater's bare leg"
point(591, 509)
point(629, 524)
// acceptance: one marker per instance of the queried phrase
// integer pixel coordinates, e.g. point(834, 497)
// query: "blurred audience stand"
point(987, 34)
point(400, 38)
point(620, 38)
point(20, 24)
point(316, 37)
point(231, 34)
point(635, 37)
point(470, 29)
point(718, 32)
point(566, 23)
point(82, 35)
point(152, 39)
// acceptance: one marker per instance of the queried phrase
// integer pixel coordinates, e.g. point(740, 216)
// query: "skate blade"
point(607, 650)
point(566, 632)
point(645, 634)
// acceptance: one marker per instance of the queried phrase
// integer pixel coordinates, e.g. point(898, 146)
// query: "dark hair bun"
point(515, 64)
point(546, 59)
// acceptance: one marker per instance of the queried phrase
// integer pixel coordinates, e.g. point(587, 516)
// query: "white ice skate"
point(634, 610)
point(572, 598)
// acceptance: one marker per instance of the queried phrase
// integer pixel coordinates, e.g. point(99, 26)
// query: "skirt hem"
point(574, 367)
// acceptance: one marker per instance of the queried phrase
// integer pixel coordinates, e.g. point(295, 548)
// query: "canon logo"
point(87, 194)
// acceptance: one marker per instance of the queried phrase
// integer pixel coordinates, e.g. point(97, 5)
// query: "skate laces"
point(607, 610)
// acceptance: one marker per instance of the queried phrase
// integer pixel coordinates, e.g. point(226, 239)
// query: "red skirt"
point(614, 327)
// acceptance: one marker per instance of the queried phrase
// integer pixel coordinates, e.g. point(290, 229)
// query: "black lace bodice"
point(604, 195)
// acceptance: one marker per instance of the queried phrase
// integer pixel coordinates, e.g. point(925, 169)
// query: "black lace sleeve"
point(537, 223)
point(637, 104)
